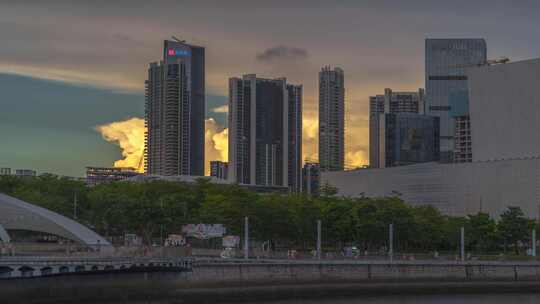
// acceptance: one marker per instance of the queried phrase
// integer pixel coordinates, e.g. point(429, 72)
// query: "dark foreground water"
point(408, 299)
point(425, 299)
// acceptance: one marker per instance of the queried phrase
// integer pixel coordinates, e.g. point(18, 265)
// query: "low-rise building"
point(218, 169)
point(191, 179)
point(99, 175)
point(311, 178)
point(25, 173)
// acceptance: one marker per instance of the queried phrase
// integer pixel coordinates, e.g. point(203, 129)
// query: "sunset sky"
point(72, 74)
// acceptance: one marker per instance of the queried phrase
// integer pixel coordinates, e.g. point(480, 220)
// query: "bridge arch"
point(16, 214)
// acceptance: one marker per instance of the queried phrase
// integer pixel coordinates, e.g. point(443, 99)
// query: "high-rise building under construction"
point(174, 111)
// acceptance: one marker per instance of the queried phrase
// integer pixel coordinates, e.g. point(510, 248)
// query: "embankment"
point(235, 282)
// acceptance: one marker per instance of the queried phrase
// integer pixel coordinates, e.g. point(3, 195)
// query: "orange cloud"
point(129, 135)
point(216, 143)
point(310, 139)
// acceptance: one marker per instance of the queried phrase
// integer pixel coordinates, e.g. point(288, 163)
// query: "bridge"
point(29, 267)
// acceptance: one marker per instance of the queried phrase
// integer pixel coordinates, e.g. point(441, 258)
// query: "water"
point(523, 298)
point(424, 299)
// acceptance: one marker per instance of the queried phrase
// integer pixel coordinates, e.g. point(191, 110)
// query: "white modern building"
point(454, 189)
point(505, 168)
point(505, 110)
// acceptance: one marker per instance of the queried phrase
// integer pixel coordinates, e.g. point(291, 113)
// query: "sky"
point(72, 72)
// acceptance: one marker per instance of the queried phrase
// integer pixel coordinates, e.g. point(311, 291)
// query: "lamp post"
point(246, 238)
point(319, 236)
point(462, 230)
point(391, 242)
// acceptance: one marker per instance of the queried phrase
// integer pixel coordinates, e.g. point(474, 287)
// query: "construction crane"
point(178, 40)
point(500, 60)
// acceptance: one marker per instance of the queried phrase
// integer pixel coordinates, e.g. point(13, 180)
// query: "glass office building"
point(408, 139)
point(446, 83)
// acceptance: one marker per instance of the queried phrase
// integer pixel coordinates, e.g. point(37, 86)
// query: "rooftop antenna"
point(178, 40)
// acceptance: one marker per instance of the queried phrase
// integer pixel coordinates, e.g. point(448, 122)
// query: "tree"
point(481, 232)
point(428, 228)
point(328, 190)
point(514, 227)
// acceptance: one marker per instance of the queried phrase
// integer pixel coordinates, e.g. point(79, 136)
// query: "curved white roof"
point(4, 236)
point(19, 215)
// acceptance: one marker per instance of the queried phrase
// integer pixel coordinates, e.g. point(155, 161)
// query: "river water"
point(523, 298)
point(425, 299)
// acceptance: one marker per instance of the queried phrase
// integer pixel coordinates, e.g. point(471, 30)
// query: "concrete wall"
point(218, 281)
point(301, 273)
point(504, 110)
point(455, 189)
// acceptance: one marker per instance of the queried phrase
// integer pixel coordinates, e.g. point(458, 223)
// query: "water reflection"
point(425, 299)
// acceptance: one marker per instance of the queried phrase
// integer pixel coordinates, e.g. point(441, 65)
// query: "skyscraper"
point(446, 83)
point(174, 112)
point(331, 119)
point(265, 132)
point(390, 102)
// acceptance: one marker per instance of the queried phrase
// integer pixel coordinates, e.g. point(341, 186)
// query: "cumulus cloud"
point(355, 150)
point(216, 143)
point(221, 109)
point(282, 53)
point(310, 138)
point(129, 135)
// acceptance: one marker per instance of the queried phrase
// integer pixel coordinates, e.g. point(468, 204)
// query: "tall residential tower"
point(446, 84)
point(331, 119)
point(265, 132)
point(175, 109)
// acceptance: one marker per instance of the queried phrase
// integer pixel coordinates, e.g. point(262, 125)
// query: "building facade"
point(446, 62)
point(311, 179)
point(462, 139)
point(390, 102)
point(406, 138)
point(25, 173)
point(175, 110)
point(219, 169)
point(100, 175)
point(265, 132)
point(505, 110)
point(5, 171)
point(331, 119)
point(454, 189)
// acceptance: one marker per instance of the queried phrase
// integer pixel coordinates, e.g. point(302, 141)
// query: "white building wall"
point(505, 110)
point(455, 189)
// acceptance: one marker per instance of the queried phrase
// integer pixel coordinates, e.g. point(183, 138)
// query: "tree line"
point(289, 220)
